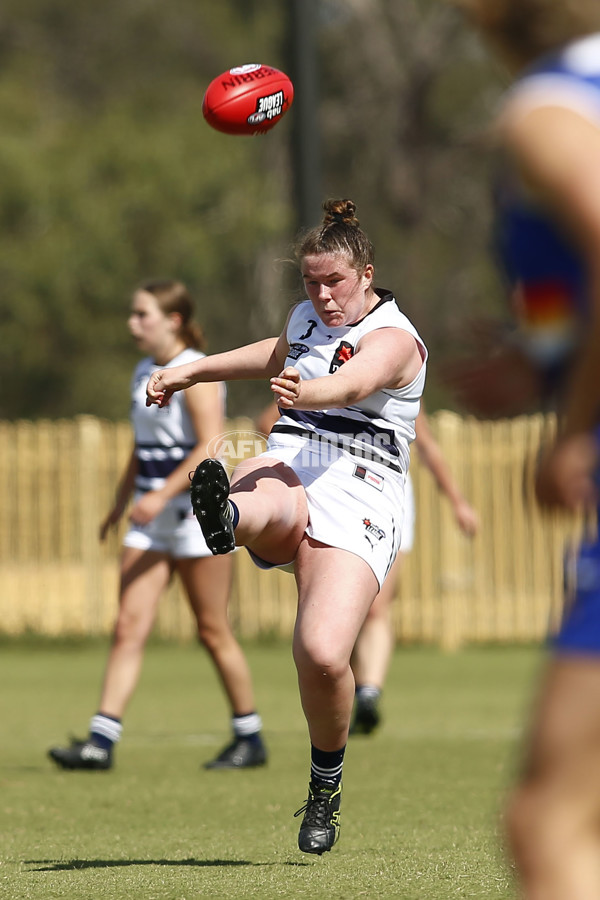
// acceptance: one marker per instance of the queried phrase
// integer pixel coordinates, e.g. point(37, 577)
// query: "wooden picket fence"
point(57, 480)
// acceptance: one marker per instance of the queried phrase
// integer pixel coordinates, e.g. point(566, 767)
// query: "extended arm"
point(259, 360)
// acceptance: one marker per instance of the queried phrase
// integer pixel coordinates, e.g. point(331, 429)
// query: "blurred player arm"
point(496, 379)
point(258, 360)
point(558, 152)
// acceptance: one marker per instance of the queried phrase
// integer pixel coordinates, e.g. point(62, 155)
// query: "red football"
point(248, 99)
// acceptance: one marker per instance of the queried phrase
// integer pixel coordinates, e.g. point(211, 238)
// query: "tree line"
point(109, 175)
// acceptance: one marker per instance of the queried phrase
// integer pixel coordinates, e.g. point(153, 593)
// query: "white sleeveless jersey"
point(163, 437)
point(381, 426)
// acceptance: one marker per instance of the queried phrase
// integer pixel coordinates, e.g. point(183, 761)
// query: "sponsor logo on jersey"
point(342, 353)
point(297, 350)
point(376, 481)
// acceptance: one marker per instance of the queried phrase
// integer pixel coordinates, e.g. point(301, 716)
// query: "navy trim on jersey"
point(156, 461)
point(161, 447)
point(344, 427)
point(360, 450)
point(156, 468)
point(385, 295)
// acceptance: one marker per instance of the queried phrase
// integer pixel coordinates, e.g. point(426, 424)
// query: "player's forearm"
point(582, 404)
point(317, 394)
point(431, 456)
point(334, 391)
point(256, 360)
point(440, 470)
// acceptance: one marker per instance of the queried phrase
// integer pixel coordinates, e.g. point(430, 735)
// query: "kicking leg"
point(264, 509)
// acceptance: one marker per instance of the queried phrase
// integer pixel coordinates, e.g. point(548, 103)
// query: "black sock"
point(326, 766)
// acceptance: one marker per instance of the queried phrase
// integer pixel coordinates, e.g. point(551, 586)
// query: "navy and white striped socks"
point(105, 731)
point(247, 727)
point(326, 767)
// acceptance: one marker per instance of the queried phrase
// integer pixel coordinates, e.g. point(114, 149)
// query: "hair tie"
point(338, 218)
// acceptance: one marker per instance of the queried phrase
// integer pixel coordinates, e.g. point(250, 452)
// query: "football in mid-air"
point(248, 99)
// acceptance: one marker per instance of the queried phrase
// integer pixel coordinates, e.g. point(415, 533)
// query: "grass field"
point(421, 804)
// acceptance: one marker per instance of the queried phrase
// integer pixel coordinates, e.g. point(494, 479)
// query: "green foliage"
point(414, 102)
point(109, 175)
point(420, 815)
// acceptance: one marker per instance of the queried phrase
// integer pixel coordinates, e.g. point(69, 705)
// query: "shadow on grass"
point(52, 865)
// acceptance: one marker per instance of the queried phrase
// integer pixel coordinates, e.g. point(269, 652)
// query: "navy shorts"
point(580, 629)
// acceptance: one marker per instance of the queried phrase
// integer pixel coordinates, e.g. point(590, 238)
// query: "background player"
point(164, 536)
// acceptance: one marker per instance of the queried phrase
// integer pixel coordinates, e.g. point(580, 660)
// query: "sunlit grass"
point(422, 801)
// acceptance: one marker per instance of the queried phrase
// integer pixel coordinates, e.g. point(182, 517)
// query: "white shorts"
point(408, 524)
point(354, 505)
point(174, 531)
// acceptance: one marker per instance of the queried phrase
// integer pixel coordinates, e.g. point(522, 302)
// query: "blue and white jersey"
point(547, 274)
point(381, 426)
point(163, 437)
point(568, 77)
